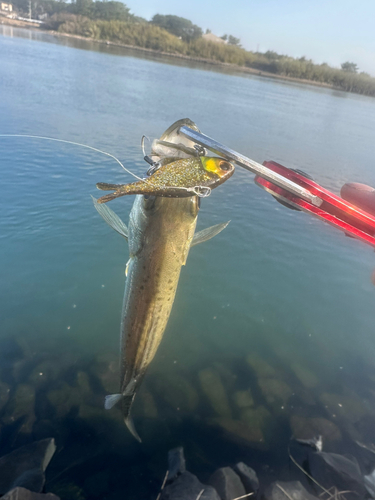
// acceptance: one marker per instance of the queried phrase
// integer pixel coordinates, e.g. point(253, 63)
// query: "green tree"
point(178, 26)
point(110, 10)
point(232, 40)
point(83, 7)
point(349, 67)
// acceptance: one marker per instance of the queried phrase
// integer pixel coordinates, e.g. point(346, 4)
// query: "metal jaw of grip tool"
point(296, 190)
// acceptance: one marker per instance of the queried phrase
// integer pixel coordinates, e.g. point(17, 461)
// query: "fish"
point(160, 234)
point(176, 177)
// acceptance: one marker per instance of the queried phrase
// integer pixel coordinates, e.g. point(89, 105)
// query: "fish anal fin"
point(111, 218)
point(208, 233)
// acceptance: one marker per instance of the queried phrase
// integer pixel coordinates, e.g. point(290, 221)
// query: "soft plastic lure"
point(176, 179)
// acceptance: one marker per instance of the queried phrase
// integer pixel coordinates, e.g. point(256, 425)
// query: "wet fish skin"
point(160, 234)
point(175, 179)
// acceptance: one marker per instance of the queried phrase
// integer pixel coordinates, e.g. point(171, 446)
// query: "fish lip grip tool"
point(296, 190)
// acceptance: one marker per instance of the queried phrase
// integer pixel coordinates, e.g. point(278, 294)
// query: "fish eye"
point(224, 165)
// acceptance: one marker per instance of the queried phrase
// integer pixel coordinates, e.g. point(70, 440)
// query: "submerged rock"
point(67, 397)
point(248, 477)
point(147, 401)
point(107, 370)
point(336, 471)
point(307, 378)
point(243, 399)
point(24, 494)
point(4, 394)
point(176, 463)
point(63, 399)
point(26, 465)
point(178, 392)
point(309, 428)
point(347, 407)
point(261, 368)
point(241, 432)
point(45, 372)
point(292, 491)
point(228, 378)
point(97, 485)
point(213, 388)
point(21, 405)
point(227, 483)
point(188, 487)
point(370, 483)
point(276, 392)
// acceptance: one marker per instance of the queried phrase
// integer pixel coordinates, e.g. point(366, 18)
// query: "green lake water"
point(279, 303)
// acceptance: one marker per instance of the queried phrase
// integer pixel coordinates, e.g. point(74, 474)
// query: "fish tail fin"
point(130, 425)
point(111, 400)
point(123, 189)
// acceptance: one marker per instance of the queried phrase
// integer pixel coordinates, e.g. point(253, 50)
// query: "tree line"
point(112, 20)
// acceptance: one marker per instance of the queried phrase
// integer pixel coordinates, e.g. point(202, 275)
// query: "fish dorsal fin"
point(208, 233)
point(111, 218)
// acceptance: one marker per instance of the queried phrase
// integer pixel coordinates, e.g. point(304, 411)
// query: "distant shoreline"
point(240, 69)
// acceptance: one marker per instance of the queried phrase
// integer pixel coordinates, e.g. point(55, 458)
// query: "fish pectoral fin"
point(111, 218)
point(208, 233)
point(111, 400)
point(130, 425)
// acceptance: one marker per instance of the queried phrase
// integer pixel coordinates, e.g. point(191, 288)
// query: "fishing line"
point(75, 144)
point(200, 191)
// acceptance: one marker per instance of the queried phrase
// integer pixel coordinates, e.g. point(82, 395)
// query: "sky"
point(331, 31)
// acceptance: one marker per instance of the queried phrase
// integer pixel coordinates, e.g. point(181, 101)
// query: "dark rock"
point(366, 456)
point(4, 394)
point(248, 477)
point(21, 405)
point(33, 480)
point(370, 483)
point(97, 485)
point(241, 432)
point(292, 491)
point(213, 388)
point(227, 483)
point(23, 494)
point(188, 487)
point(27, 459)
point(176, 463)
point(332, 470)
point(177, 392)
point(308, 428)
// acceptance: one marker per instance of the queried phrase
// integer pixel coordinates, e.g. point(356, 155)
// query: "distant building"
point(210, 37)
point(6, 7)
